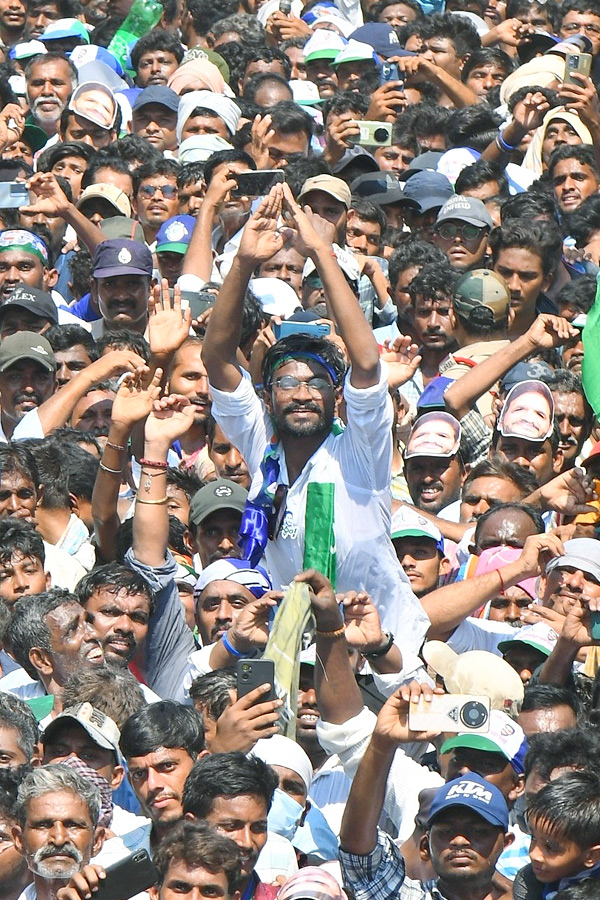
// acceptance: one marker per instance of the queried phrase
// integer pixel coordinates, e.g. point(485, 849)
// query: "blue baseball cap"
point(122, 257)
point(65, 28)
point(157, 93)
point(477, 794)
point(175, 234)
point(433, 395)
point(382, 38)
point(427, 190)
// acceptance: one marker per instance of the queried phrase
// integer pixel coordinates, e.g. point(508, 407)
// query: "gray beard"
point(40, 865)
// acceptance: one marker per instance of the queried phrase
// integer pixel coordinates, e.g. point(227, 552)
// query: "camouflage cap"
point(481, 297)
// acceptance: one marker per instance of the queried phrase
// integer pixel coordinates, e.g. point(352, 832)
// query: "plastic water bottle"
point(142, 17)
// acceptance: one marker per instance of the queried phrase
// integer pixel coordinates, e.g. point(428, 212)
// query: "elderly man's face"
point(58, 837)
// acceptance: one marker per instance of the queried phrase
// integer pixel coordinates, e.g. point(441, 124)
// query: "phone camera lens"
point(473, 714)
point(380, 135)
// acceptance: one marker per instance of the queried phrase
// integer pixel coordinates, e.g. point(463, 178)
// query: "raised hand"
point(12, 122)
point(311, 231)
point(135, 400)
point(529, 112)
point(51, 200)
point(569, 493)
point(247, 720)
point(537, 552)
point(170, 418)
point(114, 363)
point(323, 600)
point(83, 885)
point(251, 627)
point(581, 98)
point(402, 359)
point(550, 331)
point(392, 722)
point(363, 626)
point(261, 133)
point(168, 324)
point(262, 237)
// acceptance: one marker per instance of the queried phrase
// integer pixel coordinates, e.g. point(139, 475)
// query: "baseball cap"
point(201, 146)
point(420, 163)
point(540, 636)
point(354, 51)
point(505, 736)
point(531, 419)
point(38, 302)
point(580, 553)
point(216, 495)
point(27, 49)
point(90, 107)
point(323, 45)
point(407, 522)
point(157, 93)
point(276, 297)
point(329, 184)
point(465, 209)
point(26, 345)
point(477, 794)
point(100, 727)
point(525, 371)
point(381, 188)
point(122, 257)
point(426, 190)
point(175, 234)
point(481, 296)
point(382, 38)
point(254, 578)
point(85, 54)
point(476, 672)
point(311, 883)
point(34, 136)
point(434, 434)
point(122, 227)
point(65, 28)
point(357, 157)
point(433, 395)
point(536, 43)
point(109, 192)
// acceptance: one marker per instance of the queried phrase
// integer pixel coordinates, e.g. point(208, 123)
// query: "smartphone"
point(577, 62)
point(595, 616)
point(371, 134)
point(13, 194)
point(251, 673)
point(451, 712)
point(390, 72)
point(128, 877)
point(256, 184)
point(314, 329)
point(199, 301)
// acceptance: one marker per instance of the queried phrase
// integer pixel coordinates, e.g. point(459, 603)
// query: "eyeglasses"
point(578, 28)
point(316, 386)
point(448, 231)
point(169, 191)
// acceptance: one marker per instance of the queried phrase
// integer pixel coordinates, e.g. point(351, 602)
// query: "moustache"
point(50, 850)
point(302, 407)
point(99, 431)
point(20, 398)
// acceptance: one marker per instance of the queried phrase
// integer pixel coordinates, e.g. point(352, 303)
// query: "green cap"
point(26, 345)
point(215, 496)
point(34, 137)
point(481, 297)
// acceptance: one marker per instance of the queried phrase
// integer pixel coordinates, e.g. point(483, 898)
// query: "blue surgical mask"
point(284, 815)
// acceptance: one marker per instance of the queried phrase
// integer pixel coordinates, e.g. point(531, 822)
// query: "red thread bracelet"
point(154, 464)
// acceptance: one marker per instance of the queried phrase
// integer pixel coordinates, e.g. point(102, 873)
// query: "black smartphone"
point(199, 301)
point(256, 184)
point(128, 877)
point(251, 673)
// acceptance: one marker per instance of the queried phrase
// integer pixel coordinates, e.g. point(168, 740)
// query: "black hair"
point(204, 13)
point(540, 239)
point(369, 212)
point(168, 168)
point(268, 55)
point(114, 579)
point(136, 151)
point(54, 154)
point(162, 724)
point(487, 56)
point(588, 889)
point(482, 172)
point(578, 295)
point(434, 282)
point(16, 714)
point(497, 467)
point(52, 56)
point(548, 696)
point(187, 481)
point(190, 173)
point(257, 81)
point(580, 6)
point(69, 435)
point(343, 102)
point(196, 844)
point(63, 337)
point(561, 381)
point(294, 346)
point(157, 39)
point(472, 126)
point(514, 8)
point(14, 458)
point(288, 118)
point(104, 159)
point(414, 252)
point(28, 628)
point(584, 222)
point(375, 10)
point(529, 206)
point(530, 511)
point(569, 807)
point(124, 339)
point(253, 318)
point(226, 156)
point(79, 467)
point(583, 153)
point(17, 536)
point(298, 170)
point(569, 747)
point(251, 32)
point(211, 691)
point(226, 775)
point(457, 29)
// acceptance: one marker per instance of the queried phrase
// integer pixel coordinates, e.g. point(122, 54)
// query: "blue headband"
point(301, 354)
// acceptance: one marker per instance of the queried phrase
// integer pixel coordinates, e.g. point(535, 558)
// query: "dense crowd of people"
point(299, 450)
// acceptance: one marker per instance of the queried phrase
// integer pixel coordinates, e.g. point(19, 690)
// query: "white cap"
point(201, 146)
point(275, 296)
point(282, 751)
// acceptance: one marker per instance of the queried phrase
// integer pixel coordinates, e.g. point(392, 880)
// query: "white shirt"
point(358, 462)
point(480, 634)
point(22, 686)
point(28, 427)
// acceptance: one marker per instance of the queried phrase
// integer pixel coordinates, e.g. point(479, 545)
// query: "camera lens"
point(473, 714)
point(380, 135)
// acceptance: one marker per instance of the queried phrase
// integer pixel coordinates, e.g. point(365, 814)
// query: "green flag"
point(591, 358)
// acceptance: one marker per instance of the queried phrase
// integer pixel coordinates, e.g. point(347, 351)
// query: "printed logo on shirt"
point(288, 529)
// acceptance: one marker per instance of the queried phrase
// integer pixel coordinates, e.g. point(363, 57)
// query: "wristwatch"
point(385, 647)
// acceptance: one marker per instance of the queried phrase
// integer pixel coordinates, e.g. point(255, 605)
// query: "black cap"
point(40, 303)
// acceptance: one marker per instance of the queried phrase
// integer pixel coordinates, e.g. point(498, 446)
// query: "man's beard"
point(39, 866)
point(48, 118)
point(313, 428)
